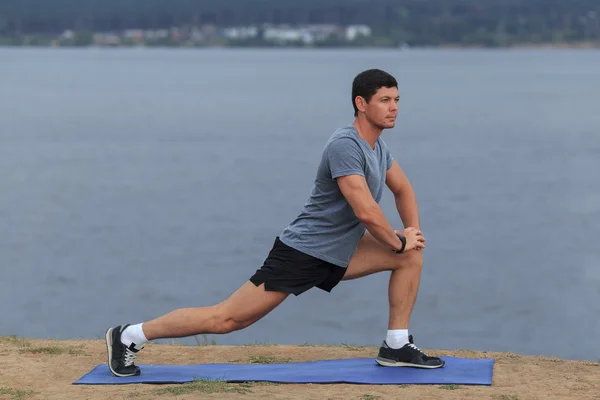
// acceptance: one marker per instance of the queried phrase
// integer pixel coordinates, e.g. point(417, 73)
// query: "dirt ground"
point(37, 369)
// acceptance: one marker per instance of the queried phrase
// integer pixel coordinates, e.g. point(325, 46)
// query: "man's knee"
point(223, 322)
point(415, 259)
point(411, 259)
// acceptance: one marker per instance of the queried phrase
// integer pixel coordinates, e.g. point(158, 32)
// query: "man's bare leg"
point(371, 257)
point(243, 308)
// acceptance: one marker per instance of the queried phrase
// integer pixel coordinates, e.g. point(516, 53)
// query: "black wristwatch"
point(403, 239)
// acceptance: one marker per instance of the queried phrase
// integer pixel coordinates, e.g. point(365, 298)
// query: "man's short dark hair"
point(368, 82)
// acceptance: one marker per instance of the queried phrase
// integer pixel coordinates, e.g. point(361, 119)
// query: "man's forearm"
point(378, 225)
point(406, 203)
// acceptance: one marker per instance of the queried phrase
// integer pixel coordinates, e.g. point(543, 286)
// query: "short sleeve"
point(389, 158)
point(345, 158)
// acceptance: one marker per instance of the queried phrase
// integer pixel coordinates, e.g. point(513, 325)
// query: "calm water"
point(135, 182)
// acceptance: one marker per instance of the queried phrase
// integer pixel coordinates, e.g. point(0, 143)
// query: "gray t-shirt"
point(327, 227)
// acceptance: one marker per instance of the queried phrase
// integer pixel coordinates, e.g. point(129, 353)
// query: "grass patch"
point(352, 347)
point(205, 341)
point(78, 352)
point(15, 341)
point(369, 397)
point(206, 386)
point(344, 346)
point(52, 350)
point(506, 397)
point(15, 394)
point(553, 359)
point(450, 387)
point(264, 383)
point(267, 360)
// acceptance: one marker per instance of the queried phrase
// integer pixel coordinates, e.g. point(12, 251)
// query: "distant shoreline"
point(555, 45)
point(519, 46)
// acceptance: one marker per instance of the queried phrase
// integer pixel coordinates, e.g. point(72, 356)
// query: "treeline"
point(415, 22)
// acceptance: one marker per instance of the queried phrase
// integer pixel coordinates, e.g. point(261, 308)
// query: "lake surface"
point(137, 181)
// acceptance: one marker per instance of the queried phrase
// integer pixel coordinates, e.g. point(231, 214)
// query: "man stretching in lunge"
point(341, 234)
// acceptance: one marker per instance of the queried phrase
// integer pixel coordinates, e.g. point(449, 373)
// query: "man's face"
point(382, 109)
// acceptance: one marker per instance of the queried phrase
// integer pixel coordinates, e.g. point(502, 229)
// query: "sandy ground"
point(37, 369)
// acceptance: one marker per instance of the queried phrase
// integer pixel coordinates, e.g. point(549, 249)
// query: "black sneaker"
point(120, 357)
point(408, 355)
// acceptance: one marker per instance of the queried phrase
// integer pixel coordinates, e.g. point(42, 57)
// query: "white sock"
point(397, 338)
point(133, 334)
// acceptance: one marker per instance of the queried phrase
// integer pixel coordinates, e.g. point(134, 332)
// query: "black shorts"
point(291, 271)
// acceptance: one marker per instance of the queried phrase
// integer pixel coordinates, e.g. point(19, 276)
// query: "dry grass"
point(38, 369)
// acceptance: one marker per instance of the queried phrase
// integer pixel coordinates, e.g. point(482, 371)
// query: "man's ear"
point(361, 103)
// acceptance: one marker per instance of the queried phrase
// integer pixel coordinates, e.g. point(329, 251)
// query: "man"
point(341, 234)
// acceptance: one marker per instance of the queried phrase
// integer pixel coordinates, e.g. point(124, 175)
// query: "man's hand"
point(414, 239)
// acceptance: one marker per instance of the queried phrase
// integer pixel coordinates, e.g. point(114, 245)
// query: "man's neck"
point(367, 131)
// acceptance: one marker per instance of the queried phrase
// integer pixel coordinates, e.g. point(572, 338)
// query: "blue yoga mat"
point(458, 371)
